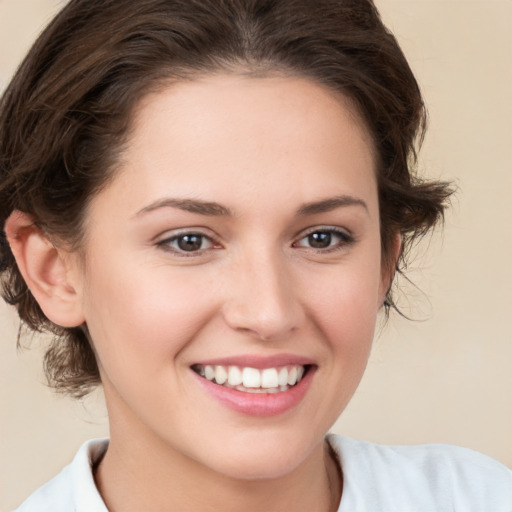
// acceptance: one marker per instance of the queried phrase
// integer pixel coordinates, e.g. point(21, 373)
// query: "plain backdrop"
point(444, 378)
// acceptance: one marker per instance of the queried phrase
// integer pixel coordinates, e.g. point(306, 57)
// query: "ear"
point(389, 268)
point(46, 270)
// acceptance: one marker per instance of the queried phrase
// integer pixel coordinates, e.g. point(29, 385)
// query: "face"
point(232, 272)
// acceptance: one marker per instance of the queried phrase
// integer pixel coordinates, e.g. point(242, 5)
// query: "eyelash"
point(345, 239)
point(166, 243)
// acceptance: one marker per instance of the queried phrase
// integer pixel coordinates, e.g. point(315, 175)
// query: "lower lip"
point(259, 404)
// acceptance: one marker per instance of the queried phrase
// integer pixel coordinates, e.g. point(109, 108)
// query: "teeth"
point(209, 372)
point(252, 380)
point(221, 375)
point(234, 376)
point(292, 376)
point(269, 378)
point(282, 378)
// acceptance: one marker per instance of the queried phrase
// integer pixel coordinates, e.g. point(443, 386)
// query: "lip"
point(257, 404)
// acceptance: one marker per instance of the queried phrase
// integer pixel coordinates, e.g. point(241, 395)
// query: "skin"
point(262, 148)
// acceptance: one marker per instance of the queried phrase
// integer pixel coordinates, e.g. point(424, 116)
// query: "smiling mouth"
point(253, 380)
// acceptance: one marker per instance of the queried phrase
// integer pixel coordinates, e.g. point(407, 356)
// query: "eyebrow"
point(188, 205)
point(329, 204)
point(217, 210)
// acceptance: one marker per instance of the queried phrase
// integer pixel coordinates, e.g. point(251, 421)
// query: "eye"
point(325, 239)
point(187, 243)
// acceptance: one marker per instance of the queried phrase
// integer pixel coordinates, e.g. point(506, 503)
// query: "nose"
point(262, 298)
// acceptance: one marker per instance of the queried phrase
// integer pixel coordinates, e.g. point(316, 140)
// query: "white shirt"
point(376, 478)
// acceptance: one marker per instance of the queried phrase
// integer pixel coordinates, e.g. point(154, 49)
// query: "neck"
point(144, 475)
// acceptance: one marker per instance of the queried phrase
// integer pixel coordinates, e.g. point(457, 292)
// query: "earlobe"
point(45, 270)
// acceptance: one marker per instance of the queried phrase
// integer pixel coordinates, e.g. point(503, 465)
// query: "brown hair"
point(66, 113)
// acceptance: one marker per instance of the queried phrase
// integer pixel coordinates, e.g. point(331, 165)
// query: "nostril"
point(263, 325)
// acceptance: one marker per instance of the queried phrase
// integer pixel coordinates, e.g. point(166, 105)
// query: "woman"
point(207, 203)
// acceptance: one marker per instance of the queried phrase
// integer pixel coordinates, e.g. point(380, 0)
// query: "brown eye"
point(325, 239)
point(190, 243)
point(320, 240)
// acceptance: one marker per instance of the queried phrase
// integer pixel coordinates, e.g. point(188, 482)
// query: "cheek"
point(141, 316)
point(348, 301)
point(345, 306)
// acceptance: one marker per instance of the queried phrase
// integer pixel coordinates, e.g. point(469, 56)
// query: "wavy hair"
point(66, 114)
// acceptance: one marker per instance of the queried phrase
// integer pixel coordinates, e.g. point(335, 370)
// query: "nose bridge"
point(263, 298)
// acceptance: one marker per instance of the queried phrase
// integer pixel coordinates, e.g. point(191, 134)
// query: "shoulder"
point(73, 488)
point(420, 478)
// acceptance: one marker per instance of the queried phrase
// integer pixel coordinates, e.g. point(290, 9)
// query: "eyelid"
point(346, 235)
point(164, 241)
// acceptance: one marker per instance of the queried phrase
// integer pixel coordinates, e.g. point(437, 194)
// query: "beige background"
point(445, 379)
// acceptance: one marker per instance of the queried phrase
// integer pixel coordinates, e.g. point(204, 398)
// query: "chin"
point(262, 457)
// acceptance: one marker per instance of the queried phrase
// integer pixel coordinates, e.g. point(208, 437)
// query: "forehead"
point(233, 137)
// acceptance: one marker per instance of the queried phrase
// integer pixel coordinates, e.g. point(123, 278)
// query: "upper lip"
point(258, 362)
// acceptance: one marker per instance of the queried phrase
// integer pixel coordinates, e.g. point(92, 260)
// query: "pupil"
point(189, 242)
point(320, 240)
